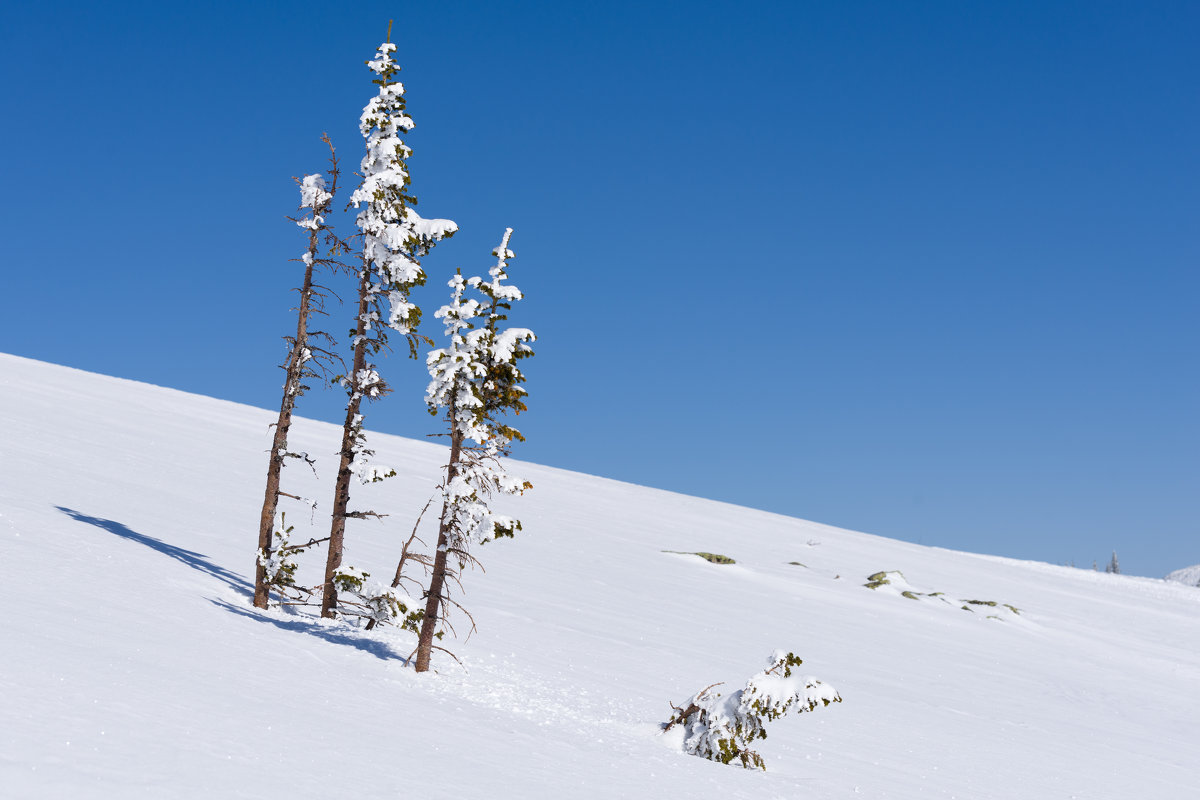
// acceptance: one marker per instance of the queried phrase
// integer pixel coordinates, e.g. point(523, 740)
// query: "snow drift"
point(1189, 576)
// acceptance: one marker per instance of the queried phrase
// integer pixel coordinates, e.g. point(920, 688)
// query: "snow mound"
point(1189, 576)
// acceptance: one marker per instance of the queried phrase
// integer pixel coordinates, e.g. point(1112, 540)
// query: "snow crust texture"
point(136, 667)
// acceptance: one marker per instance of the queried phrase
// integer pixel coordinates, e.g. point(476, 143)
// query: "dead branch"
point(461, 608)
point(309, 543)
point(363, 515)
point(404, 554)
point(681, 714)
point(447, 652)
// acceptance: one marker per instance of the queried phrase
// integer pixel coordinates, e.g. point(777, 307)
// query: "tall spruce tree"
point(394, 238)
point(475, 380)
point(305, 360)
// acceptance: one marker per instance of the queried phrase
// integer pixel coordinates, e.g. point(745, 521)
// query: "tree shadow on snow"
point(199, 561)
point(191, 558)
point(321, 630)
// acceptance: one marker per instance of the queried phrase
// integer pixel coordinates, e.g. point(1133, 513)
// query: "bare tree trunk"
point(291, 388)
point(438, 579)
point(350, 430)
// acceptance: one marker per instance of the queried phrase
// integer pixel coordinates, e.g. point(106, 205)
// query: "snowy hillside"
point(134, 665)
point(1189, 576)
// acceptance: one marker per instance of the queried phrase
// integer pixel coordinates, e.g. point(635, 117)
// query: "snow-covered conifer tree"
point(475, 379)
point(305, 360)
point(394, 237)
point(722, 728)
point(1114, 566)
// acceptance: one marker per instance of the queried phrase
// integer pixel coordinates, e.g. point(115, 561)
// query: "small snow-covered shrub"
point(375, 602)
point(722, 727)
point(882, 579)
point(279, 568)
point(712, 558)
point(349, 579)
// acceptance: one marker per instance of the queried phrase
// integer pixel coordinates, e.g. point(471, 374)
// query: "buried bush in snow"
point(894, 582)
point(278, 567)
point(715, 558)
point(721, 728)
point(376, 603)
point(712, 558)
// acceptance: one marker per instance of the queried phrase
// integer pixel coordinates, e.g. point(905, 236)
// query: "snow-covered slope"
point(134, 665)
point(1188, 575)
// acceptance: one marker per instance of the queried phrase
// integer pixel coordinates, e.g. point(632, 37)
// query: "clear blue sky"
point(927, 270)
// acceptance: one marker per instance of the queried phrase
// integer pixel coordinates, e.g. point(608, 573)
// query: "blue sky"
point(926, 270)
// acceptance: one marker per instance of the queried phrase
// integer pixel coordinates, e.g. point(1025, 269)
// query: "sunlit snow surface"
point(133, 665)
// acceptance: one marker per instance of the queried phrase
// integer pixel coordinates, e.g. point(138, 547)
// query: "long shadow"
point(197, 561)
point(313, 628)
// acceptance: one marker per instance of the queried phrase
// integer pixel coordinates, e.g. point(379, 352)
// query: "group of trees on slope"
point(475, 381)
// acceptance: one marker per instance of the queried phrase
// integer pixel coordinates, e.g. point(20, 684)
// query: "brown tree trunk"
point(350, 429)
point(291, 386)
point(437, 581)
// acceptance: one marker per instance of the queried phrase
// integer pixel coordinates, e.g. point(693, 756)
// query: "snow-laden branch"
point(722, 727)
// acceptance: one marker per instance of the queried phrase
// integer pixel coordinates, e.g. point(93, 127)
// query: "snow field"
point(135, 665)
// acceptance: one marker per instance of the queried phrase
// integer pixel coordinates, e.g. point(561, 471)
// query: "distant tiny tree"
point(475, 380)
point(722, 728)
point(309, 356)
point(394, 238)
point(1114, 566)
